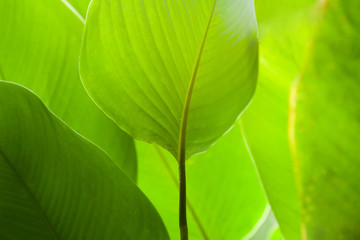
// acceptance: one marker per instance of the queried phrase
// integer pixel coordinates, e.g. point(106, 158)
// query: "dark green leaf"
point(55, 184)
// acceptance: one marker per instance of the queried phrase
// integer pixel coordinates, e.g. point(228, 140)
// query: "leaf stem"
point(182, 199)
point(182, 136)
point(188, 203)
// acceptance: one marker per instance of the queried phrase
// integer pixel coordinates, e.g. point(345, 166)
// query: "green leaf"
point(225, 199)
point(170, 71)
point(276, 235)
point(39, 48)
point(55, 184)
point(302, 127)
point(1, 74)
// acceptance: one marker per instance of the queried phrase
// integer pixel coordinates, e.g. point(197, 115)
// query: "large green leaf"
point(55, 184)
point(225, 198)
point(303, 126)
point(170, 71)
point(39, 48)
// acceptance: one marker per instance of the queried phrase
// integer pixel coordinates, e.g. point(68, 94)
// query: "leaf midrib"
point(292, 119)
point(182, 136)
point(31, 196)
point(73, 10)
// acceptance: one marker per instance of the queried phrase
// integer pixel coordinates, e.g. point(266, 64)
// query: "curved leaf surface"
point(303, 125)
point(225, 199)
point(54, 184)
point(39, 48)
point(171, 72)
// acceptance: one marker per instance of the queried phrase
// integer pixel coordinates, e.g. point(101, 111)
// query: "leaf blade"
point(147, 60)
point(43, 56)
point(77, 191)
point(297, 116)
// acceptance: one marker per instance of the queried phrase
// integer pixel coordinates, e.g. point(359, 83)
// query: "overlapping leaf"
point(303, 125)
point(55, 184)
point(39, 48)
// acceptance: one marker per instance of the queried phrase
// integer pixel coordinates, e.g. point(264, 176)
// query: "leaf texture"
point(55, 184)
point(175, 73)
point(39, 48)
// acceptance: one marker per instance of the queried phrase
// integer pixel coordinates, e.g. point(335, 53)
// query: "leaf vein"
point(34, 201)
point(183, 126)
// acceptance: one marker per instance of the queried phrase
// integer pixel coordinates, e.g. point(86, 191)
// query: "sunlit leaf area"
point(179, 120)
